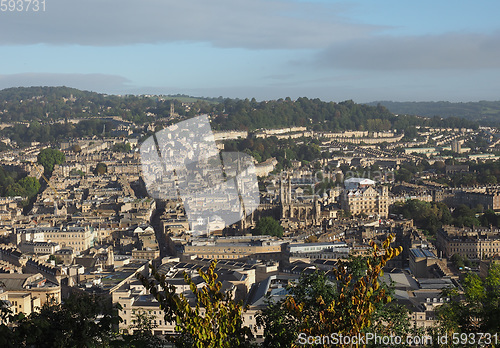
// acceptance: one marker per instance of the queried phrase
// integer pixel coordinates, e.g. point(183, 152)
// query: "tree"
point(281, 327)
point(347, 305)
point(142, 326)
point(49, 157)
point(101, 168)
point(344, 214)
point(311, 239)
point(268, 226)
point(464, 216)
point(410, 133)
point(351, 312)
point(26, 187)
point(75, 171)
point(477, 310)
point(426, 215)
point(76, 148)
point(489, 218)
point(31, 185)
point(215, 321)
point(121, 147)
point(81, 321)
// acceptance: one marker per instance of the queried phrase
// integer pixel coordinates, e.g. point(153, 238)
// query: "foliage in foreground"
point(346, 307)
point(314, 306)
point(81, 321)
point(216, 319)
point(477, 310)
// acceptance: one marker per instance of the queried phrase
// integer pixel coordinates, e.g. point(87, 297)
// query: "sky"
point(362, 50)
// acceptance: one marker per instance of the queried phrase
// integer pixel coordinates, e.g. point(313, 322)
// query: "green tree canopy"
point(490, 218)
point(121, 147)
point(464, 216)
point(429, 216)
point(12, 183)
point(101, 168)
point(477, 310)
point(26, 187)
point(49, 157)
point(81, 321)
point(214, 322)
point(268, 226)
point(349, 304)
point(280, 326)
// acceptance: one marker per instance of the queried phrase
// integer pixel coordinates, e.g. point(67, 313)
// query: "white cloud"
point(256, 24)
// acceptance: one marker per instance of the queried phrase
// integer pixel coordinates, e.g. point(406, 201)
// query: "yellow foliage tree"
point(214, 321)
point(351, 311)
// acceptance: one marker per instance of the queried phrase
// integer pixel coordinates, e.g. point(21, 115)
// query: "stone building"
point(474, 243)
point(360, 196)
point(76, 237)
point(307, 210)
point(27, 292)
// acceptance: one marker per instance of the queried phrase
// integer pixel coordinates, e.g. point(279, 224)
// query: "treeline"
point(15, 184)
point(27, 104)
point(431, 216)
point(487, 173)
point(320, 116)
point(250, 114)
point(23, 135)
point(284, 150)
point(487, 112)
point(55, 103)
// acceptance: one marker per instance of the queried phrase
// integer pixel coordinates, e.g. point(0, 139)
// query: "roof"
point(402, 281)
point(16, 281)
point(435, 283)
point(361, 181)
point(87, 262)
point(332, 244)
point(419, 252)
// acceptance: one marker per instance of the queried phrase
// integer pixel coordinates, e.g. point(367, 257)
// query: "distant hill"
point(484, 112)
point(51, 93)
point(46, 105)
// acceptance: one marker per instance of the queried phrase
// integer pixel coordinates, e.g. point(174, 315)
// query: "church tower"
point(289, 189)
point(172, 111)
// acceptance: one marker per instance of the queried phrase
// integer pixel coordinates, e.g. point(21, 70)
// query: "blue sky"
point(333, 50)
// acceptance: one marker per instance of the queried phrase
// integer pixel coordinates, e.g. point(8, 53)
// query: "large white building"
point(360, 196)
point(76, 237)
